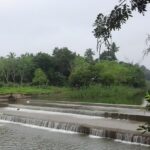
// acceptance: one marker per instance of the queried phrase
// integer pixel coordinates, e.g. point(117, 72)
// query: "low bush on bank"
point(111, 94)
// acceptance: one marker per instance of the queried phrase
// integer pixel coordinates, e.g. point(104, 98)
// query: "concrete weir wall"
point(3, 102)
point(121, 135)
point(126, 116)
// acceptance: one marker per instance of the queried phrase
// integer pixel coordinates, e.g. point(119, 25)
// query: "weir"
point(120, 135)
point(101, 112)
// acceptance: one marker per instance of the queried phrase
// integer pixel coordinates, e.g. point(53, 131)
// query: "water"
point(18, 137)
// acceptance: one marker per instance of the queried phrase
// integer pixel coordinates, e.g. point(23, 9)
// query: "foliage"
point(43, 61)
point(110, 54)
point(148, 84)
point(63, 60)
point(146, 72)
point(147, 51)
point(104, 25)
point(80, 74)
point(25, 68)
point(60, 70)
point(107, 73)
point(91, 94)
point(56, 78)
point(88, 55)
point(83, 73)
point(39, 77)
point(20, 70)
point(112, 94)
point(147, 97)
point(146, 127)
point(64, 68)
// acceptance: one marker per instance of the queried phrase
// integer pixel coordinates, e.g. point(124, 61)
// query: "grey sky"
point(41, 25)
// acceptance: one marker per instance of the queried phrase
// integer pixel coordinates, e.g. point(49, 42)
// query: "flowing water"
point(18, 137)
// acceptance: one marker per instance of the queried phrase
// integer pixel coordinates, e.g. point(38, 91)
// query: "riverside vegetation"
point(64, 75)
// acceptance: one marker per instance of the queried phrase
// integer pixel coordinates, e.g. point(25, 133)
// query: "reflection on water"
point(17, 137)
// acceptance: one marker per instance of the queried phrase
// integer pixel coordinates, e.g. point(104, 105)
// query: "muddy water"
point(18, 137)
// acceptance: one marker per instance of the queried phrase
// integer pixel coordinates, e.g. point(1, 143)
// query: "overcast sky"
point(40, 25)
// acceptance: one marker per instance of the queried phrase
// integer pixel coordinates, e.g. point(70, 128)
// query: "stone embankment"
point(12, 98)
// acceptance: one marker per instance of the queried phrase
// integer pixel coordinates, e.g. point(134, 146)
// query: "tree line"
point(65, 68)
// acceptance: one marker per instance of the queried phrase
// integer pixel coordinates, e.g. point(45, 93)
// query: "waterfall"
point(113, 115)
point(101, 132)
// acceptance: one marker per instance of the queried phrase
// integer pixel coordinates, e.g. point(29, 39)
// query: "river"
point(21, 137)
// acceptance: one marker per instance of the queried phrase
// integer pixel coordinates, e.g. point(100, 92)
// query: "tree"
point(5, 69)
point(12, 65)
point(83, 73)
point(43, 61)
point(26, 68)
point(146, 72)
point(88, 55)
point(110, 54)
point(39, 77)
point(63, 60)
point(105, 24)
point(147, 51)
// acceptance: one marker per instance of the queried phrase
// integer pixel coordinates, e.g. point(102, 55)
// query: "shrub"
point(39, 77)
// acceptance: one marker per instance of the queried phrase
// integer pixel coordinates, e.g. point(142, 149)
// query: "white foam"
point(131, 143)
point(69, 132)
point(52, 113)
point(38, 127)
point(95, 137)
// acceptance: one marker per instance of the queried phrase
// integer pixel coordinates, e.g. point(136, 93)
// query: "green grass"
point(32, 90)
point(95, 94)
point(112, 94)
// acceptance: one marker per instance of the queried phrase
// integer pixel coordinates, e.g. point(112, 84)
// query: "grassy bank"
point(95, 94)
point(113, 94)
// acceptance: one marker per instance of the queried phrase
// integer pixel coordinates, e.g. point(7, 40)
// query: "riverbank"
point(94, 94)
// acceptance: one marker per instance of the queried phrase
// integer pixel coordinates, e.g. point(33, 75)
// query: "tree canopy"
point(110, 54)
point(65, 68)
point(105, 24)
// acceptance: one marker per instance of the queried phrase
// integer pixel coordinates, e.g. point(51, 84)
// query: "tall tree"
point(5, 69)
point(88, 55)
point(43, 61)
point(63, 59)
point(26, 68)
point(147, 51)
point(12, 65)
point(110, 53)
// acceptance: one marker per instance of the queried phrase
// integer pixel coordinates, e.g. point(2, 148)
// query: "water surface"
point(18, 137)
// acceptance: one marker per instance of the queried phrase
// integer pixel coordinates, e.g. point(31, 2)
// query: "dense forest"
point(65, 68)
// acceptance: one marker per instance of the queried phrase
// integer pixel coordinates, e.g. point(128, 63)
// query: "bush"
point(39, 77)
point(2, 84)
point(107, 73)
point(84, 76)
point(112, 94)
point(56, 78)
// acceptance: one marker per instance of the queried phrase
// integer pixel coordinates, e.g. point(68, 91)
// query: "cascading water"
point(101, 132)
